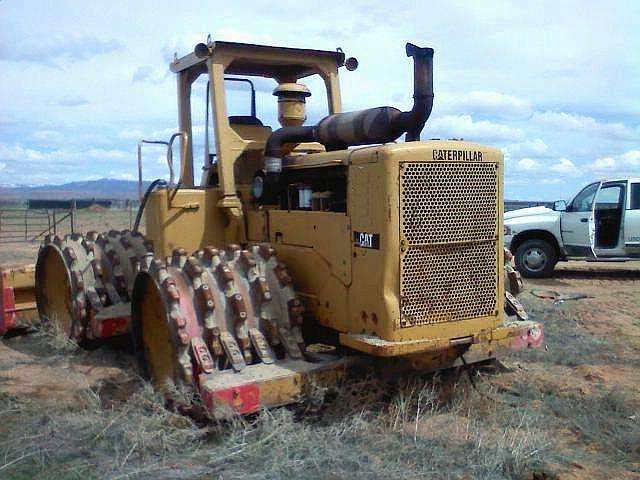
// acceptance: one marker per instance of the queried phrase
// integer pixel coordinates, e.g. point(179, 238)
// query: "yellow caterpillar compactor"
point(302, 250)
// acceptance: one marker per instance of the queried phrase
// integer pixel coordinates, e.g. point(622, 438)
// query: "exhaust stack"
point(415, 119)
point(364, 127)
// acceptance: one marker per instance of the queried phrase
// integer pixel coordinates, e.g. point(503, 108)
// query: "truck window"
point(583, 201)
point(635, 196)
point(610, 197)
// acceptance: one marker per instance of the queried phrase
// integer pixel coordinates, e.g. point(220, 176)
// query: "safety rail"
point(169, 146)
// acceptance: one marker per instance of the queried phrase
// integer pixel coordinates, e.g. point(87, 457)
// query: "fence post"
point(73, 215)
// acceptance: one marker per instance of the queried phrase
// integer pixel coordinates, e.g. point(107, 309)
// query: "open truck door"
point(592, 232)
point(607, 220)
point(577, 223)
point(632, 221)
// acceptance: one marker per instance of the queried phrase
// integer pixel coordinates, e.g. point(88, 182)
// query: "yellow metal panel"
point(316, 246)
point(350, 289)
point(257, 226)
point(20, 277)
point(374, 206)
point(327, 233)
point(22, 280)
point(258, 133)
point(188, 218)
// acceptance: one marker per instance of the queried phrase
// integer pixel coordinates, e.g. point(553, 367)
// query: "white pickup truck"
point(602, 222)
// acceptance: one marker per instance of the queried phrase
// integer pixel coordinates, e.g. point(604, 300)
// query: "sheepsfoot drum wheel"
point(227, 323)
point(84, 282)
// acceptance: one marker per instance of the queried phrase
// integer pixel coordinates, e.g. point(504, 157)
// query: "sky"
point(555, 85)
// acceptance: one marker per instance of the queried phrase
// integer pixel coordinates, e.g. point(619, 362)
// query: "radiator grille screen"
point(449, 220)
point(449, 202)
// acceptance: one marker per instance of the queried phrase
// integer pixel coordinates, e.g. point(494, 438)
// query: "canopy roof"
point(264, 60)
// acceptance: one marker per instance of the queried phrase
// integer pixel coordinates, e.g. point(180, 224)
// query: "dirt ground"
point(570, 410)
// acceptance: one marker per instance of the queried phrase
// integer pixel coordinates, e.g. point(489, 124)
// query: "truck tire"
point(536, 258)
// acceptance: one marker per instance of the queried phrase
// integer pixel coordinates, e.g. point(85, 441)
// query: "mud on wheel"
point(214, 310)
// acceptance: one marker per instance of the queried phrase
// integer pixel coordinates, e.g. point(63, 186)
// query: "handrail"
point(169, 146)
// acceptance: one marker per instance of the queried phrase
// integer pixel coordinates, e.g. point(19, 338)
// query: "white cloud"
point(244, 35)
point(565, 167)
point(131, 134)
point(492, 99)
point(32, 166)
point(72, 101)
point(181, 45)
point(624, 164)
point(534, 171)
point(529, 164)
point(2, 166)
point(49, 51)
point(107, 154)
point(485, 103)
point(184, 43)
point(18, 153)
point(533, 148)
point(631, 158)
point(166, 133)
point(148, 73)
point(584, 124)
point(463, 126)
point(551, 181)
point(48, 136)
point(603, 164)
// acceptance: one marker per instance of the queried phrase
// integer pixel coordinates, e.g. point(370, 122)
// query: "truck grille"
point(449, 223)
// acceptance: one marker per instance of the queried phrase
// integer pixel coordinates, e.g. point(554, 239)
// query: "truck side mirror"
point(560, 206)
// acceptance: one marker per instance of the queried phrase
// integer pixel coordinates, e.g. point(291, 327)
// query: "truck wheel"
point(535, 259)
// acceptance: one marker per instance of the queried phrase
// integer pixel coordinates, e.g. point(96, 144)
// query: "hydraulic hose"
point(156, 183)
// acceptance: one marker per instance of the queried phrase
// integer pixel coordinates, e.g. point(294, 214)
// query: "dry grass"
point(433, 427)
point(141, 439)
point(422, 427)
point(567, 341)
point(50, 333)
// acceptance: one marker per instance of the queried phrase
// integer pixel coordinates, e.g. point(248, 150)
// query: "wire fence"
point(23, 225)
point(20, 225)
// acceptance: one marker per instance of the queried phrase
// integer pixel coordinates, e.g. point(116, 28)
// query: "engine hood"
point(530, 212)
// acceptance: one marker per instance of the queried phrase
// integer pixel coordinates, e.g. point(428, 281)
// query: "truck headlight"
point(507, 230)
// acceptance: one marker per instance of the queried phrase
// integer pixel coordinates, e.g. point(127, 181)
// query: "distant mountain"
point(111, 189)
point(104, 188)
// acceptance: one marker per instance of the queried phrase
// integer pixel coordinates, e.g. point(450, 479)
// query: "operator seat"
point(250, 128)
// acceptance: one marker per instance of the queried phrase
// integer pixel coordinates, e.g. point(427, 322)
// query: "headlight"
point(507, 230)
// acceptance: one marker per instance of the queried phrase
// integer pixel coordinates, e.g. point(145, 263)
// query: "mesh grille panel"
point(449, 202)
point(449, 216)
point(446, 283)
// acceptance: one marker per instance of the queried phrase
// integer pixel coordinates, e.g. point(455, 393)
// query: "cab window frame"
point(572, 205)
point(634, 196)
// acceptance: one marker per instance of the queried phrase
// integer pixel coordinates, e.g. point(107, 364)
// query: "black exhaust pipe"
point(365, 127)
point(414, 120)
point(385, 124)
